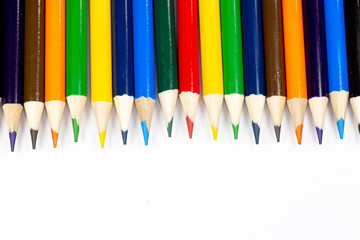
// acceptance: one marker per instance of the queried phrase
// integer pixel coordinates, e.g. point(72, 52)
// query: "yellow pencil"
point(211, 60)
point(101, 68)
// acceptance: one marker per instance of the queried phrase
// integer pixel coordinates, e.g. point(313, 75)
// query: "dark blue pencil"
point(123, 62)
point(253, 61)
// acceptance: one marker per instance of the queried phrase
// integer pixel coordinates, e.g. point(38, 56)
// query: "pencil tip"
point(256, 130)
point(102, 138)
point(190, 126)
point(298, 131)
point(359, 128)
point(76, 129)
point(215, 132)
point(169, 127)
point(55, 137)
point(124, 136)
point(341, 125)
point(319, 132)
point(12, 136)
point(277, 133)
point(145, 132)
point(235, 130)
point(33, 134)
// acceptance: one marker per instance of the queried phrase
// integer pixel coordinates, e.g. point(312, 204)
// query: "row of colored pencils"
point(276, 51)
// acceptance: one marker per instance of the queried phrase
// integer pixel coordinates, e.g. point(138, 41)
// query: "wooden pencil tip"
point(298, 131)
point(190, 126)
point(215, 132)
point(102, 139)
point(55, 137)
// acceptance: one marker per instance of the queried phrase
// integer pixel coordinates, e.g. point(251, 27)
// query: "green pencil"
point(232, 60)
point(76, 60)
point(166, 58)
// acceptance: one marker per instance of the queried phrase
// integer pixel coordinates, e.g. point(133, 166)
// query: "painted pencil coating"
point(352, 22)
point(123, 62)
point(295, 63)
point(144, 65)
point(211, 60)
point(231, 37)
point(337, 60)
point(34, 64)
point(316, 67)
point(274, 61)
point(101, 68)
point(2, 33)
point(253, 61)
point(166, 58)
point(13, 82)
point(188, 51)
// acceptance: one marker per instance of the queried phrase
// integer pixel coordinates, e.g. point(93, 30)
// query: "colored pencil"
point(232, 60)
point(13, 82)
point(101, 68)
point(274, 62)
point(337, 60)
point(34, 65)
point(144, 65)
point(211, 60)
point(316, 68)
point(2, 33)
point(76, 61)
point(166, 59)
point(123, 62)
point(295, 66)
point(55, 65)
point(253, 62)
point(188, 49)
point(352, 21)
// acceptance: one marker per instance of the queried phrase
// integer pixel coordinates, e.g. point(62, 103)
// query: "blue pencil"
point(144, 65)
point(253, 62)
point(123, 62)
point(337, 60)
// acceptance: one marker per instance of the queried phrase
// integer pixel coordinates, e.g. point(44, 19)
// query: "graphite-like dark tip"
point(124, 136)
point(277, 132)
point(169, 127)
point(319, 132)
point(256, 129)
point(33, 134)
point(359, 128)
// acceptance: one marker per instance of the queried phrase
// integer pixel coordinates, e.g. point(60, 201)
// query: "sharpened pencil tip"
point(215, 132)
point(277, 132)
point(55, 137)
point(190, 126)
point(256, 130)
point(102, 139)
point(319, 132)
point(76, 129)
point(124, 136)
point(169, 127)
point(298, 131)
point(33, 134)
point(341, 124)
point(359, 128)
point(12, 136)
point(145, 132)
point(235, 131)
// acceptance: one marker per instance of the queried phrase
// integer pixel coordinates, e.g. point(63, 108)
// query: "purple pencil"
point(13, 83)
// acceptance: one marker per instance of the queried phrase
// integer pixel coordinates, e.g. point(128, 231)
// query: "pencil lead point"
point(76, 129)
point(256, 130)
point(124, 136)
point(277, 132)
point(145, 132)
point(190, 126)
point(12, 136)
point(235, 130)
point(341, 125)
point(215, 132)
point(102, 138)
point(319, 132)
point(169, 127)
point(298, 131)
point(33, 134)
point(55, 137)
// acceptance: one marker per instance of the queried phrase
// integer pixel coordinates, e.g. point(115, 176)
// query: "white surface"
point(179, 188)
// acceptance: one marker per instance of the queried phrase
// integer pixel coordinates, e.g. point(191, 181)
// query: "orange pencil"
point(55, 64)
point(295, 63)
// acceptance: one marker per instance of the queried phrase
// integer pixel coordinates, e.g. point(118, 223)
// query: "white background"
point(179, 188)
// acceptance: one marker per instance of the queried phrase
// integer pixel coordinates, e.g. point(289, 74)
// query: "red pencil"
point(188, 51)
